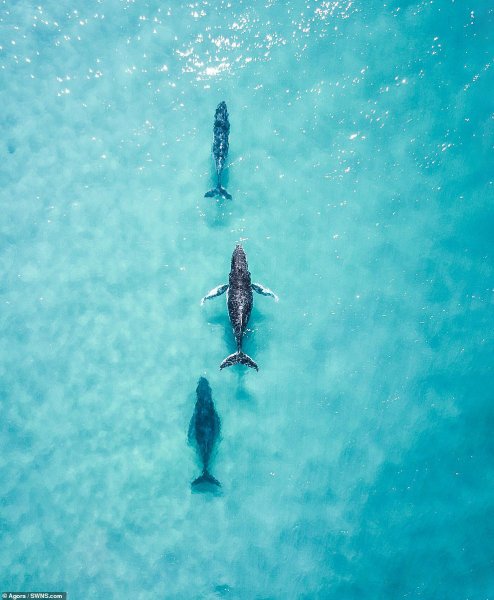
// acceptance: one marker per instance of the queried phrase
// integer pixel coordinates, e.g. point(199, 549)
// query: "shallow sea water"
point(358, 462)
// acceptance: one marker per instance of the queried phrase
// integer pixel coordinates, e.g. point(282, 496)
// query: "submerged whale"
point(221, 132)
point(239, 301)
point(204, 430)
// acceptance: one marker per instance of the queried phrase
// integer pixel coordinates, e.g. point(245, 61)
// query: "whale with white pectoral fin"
point(239, 300)
point(221, 131)
point(204, 430)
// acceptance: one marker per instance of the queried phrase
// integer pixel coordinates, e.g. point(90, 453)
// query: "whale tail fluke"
point(239, 357)
point(206, 477)
point(219, 191)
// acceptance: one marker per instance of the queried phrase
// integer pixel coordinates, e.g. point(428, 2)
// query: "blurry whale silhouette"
point(204, 430)
point(239, 301)
point(220, 149)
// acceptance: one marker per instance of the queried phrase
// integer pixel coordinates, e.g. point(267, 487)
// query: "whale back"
point(239, 293)
point(205, 423)
point(221, 133)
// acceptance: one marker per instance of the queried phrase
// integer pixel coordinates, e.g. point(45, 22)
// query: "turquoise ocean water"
point(358, 463)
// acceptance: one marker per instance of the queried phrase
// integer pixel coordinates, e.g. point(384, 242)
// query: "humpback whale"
point(239, 300)
point(220, 149)
point(204, 430)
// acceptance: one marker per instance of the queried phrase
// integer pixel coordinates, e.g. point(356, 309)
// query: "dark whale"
point(239, 301)
point(204, 430)
point(221, 132)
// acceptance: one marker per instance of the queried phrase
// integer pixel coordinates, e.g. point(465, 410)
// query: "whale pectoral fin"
point(217, 291)
point(260, 289)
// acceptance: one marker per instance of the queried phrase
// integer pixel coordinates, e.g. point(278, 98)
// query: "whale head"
point(221, 108)
point(221, 115)
point(203, 388)
point(239, 260)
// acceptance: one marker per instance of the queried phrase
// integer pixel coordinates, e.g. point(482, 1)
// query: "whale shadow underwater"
point(243, 395)
point(204, 432)
point(219, 217)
